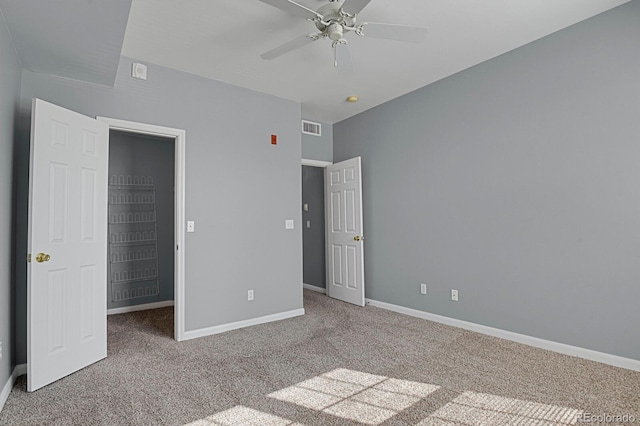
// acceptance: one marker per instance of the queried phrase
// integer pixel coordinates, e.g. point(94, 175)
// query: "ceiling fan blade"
point(354, 6)
point(394, 32)
point(294, 8)
point(288, 47)
point(342, 59)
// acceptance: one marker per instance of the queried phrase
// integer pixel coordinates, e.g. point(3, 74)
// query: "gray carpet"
point(337, 365)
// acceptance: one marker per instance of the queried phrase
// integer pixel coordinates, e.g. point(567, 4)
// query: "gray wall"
point(318, 147)
point(132, 154)
point(515, 182)
point(231, 169)
point(9, 97)
point(313, 271)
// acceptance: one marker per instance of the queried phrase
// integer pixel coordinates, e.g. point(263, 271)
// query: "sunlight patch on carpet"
point(372, 399)
point(473, 408)
point(241, 415)
point(353, 395)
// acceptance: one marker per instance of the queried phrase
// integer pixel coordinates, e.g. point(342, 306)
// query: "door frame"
point(323, 165)
point(315, 163)
point(179, 136)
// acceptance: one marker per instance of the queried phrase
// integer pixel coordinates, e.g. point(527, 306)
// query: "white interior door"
point(66, 288)
point(345, 260)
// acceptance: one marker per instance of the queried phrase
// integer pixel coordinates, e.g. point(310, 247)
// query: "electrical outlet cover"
point(139, 71)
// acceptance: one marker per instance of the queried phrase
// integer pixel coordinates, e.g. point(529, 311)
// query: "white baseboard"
point(314, 288)
point(146, 306)
point(202, 332)
point(18, 371)
point(562, 348)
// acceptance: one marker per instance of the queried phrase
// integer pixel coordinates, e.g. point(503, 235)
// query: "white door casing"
point(345, 258)
point(66, 294)
point(179, 136)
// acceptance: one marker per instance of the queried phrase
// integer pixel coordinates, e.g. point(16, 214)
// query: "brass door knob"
point(358, 238)
point(42, 257)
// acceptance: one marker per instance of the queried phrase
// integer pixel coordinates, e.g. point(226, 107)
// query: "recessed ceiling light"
point(352, 99)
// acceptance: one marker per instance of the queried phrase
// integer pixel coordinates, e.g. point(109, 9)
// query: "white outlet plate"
point(250, 295)
point(139, 71)
point(288, 224)
point(454, 295)
point(191, 226)
point(423, 288)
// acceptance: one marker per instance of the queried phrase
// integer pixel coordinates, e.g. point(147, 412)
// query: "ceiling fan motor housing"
point(337, 21)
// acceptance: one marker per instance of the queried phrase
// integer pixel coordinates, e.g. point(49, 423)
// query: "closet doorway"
point(145, 265)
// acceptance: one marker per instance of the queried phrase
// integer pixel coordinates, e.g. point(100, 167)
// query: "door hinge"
point(29, 258)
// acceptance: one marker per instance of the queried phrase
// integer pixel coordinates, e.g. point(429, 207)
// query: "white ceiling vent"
point(311, 128)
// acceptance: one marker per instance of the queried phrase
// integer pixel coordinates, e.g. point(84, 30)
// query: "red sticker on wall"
point(274, 140)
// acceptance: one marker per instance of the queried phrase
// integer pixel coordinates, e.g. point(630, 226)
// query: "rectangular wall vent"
point(311, 128)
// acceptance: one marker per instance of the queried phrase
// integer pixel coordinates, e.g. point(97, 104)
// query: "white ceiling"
point(223, 40)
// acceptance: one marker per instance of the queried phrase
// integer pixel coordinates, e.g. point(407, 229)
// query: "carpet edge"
point(314, 288)
point(18, 371)
point(563, 348)
point(217, 329)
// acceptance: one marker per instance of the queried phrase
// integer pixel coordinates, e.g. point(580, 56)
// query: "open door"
point(345, 260)
point(67, 242)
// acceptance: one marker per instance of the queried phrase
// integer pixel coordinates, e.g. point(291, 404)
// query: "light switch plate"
point(191, 226)
point(288, 224)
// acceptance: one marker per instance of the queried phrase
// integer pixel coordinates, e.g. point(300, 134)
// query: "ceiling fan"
point(333, 21)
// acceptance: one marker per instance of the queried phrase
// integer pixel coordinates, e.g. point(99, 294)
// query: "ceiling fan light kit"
point(334, 20)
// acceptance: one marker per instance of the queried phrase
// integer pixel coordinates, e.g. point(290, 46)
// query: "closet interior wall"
point(141, 219)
